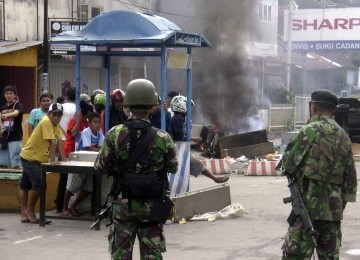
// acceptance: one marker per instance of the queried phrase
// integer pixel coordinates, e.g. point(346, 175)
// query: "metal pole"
point(45, 87)
point(262, 80)
point(107, 91)
point(78, 76)
point(163, 85)
point(289, 43)
point(189, 95)
point(78, 10)
point(304, 75)
point(37, 20)
point(4, 17)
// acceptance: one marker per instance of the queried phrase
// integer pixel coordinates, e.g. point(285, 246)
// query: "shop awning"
point(10, 46)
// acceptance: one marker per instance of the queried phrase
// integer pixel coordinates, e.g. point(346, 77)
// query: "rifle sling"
point(139, 149)
point(144, 143)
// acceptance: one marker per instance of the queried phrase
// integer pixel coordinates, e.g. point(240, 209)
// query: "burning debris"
point(209, 147)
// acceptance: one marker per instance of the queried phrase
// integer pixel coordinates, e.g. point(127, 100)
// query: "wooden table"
point(75, 167)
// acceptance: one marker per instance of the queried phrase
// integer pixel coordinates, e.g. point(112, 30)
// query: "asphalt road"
point(256, 235)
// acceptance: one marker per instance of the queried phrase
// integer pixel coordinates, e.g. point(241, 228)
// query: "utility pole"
point(45, 87)
point(2, 37)
point(289, 43)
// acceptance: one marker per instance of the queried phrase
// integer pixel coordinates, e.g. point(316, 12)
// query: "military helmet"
point(324, 96)
point(178, 104)
point(100, 99)
point(140, 92)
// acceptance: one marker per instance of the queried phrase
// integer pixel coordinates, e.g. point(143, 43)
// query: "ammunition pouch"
point(143, 185)
point(161, 210)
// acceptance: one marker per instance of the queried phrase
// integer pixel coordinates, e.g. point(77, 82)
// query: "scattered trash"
point(182, 221)
point(242, 159)
point(237, 166)
point(232, 211)
point(353, 252)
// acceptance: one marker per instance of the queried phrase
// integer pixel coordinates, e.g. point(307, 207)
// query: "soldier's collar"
point(320, 117)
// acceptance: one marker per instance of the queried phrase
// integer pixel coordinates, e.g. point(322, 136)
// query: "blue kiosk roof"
point(132, 29)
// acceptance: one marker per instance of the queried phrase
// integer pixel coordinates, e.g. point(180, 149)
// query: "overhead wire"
point(126, 5)
point(140, 6)
point(157, 11)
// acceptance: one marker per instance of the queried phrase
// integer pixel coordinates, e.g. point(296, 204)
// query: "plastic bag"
point(232, 211)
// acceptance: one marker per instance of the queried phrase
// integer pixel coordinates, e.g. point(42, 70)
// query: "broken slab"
point(189, 204)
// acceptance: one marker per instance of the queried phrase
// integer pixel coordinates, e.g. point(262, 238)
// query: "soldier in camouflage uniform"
point(321, 150)
point(131, 216)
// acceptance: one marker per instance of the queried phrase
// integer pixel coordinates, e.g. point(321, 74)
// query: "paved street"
point(256, 235)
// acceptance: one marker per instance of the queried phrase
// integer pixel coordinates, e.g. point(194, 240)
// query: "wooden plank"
point(9, 202)
point(9, 170)
point(9, 187)
point(241, 140)
point(9, 190)
point(250, 151)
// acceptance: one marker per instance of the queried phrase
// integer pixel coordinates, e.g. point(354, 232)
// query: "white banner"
point(324, 29)
point(179, 182)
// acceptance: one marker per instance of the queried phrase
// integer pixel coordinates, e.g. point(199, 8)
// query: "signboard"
point(62, 26)
point(187, 38)
point(324, 29)
point(58, 27)
point(178, 60)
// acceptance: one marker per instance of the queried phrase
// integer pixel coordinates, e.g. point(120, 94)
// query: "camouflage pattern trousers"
point(298, 242)
point(122, 237)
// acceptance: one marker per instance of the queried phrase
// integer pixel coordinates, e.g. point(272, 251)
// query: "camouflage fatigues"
point(127, 224)
point(320, 145)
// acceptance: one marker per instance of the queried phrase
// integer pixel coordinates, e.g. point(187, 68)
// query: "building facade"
point(21, 38)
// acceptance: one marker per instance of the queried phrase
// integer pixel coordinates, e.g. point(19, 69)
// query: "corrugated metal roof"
point(10, 46)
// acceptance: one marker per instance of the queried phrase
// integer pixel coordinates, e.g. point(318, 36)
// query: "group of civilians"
point(57, 129)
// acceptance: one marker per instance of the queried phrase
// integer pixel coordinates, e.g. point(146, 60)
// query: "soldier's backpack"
point(145, 184)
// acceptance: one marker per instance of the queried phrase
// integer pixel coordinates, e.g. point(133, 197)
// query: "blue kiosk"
point(113, 31)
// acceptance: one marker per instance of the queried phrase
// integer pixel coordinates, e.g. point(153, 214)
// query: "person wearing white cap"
point(40, 148)
point(85, 97)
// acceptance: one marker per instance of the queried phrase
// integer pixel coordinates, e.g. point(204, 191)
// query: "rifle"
point(105, 213)
point(298, 206)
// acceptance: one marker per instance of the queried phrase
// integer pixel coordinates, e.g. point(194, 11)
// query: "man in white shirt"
point(69, 109)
